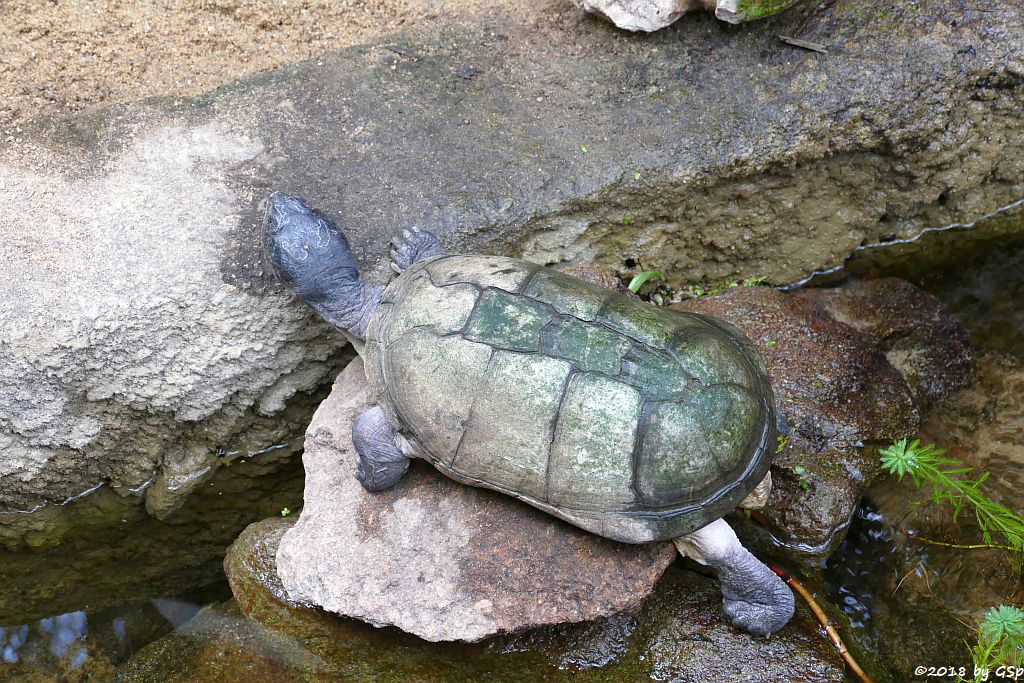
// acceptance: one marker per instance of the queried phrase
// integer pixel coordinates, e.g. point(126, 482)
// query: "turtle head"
point(306, 250)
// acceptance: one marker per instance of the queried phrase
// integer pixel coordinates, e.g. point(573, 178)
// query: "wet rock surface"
point(686, 639)
point(918, 335)
point(678, 634)
point(219, 644)
point(828, 354)
point(439, 559)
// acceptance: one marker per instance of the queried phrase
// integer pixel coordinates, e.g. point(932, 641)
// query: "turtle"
point(631, 421)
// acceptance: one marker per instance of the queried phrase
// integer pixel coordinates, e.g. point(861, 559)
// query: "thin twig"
point(912, 569)
point(958, 546)
point(824, 621)
point(805, 44)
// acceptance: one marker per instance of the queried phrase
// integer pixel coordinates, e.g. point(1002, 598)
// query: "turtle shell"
point(635, 422)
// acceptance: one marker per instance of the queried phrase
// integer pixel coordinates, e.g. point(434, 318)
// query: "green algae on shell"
point(501, 384)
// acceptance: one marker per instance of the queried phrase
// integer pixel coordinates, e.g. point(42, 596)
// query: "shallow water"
point(892, 588)
point(90, 644)
point(915, 602)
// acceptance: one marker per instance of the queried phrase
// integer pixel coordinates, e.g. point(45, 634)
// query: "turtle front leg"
point(381, 462)
point(754, 598)
point(414, 245)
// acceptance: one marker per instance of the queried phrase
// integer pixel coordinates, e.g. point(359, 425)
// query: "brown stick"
point(958, 546)
point(826, 624)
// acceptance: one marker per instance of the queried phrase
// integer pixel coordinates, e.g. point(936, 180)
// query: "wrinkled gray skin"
point(310, 255)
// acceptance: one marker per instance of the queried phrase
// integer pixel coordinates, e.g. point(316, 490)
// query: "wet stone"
point(567, 295)
point(678, 634)
point(682, 634)
point(591, 462)
point(829, 362)
point(507, 321)
point(513, 422)
point(589, 347)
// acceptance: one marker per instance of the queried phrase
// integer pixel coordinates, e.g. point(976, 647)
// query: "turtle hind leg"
point(381, 463)
point(414, 245)
point(753, 597)
point(310, 254)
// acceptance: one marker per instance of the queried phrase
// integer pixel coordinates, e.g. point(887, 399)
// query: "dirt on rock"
point(63, 56)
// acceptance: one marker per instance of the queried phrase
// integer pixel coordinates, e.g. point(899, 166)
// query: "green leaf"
point(897, 460)
point(1003, 621)
point(640, 279)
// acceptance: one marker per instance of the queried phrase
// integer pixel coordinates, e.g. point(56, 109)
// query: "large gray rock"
point(439, 559)
point(139, 334)
point(127, 358)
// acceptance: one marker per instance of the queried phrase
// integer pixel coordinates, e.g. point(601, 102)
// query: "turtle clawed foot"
point(414, 245)
point(377, 476)
point(380, 464)
point(764, 615)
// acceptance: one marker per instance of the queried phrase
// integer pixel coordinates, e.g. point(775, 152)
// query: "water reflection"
point(54, 647)
point(61, 637)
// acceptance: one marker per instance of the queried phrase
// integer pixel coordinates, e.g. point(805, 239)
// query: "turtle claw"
point(754, 598)
point(394, 262)
point(760, 618)
point(414, 245)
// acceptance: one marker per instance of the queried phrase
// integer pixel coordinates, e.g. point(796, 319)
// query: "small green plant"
point(583, 148)
point(285, 512)
point(801, 472)
point(636, 175)
point(1000, 642)
point(780, 443)
point(640, 279)
point(728, 284)
point(627, 219)
point(949, 482)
